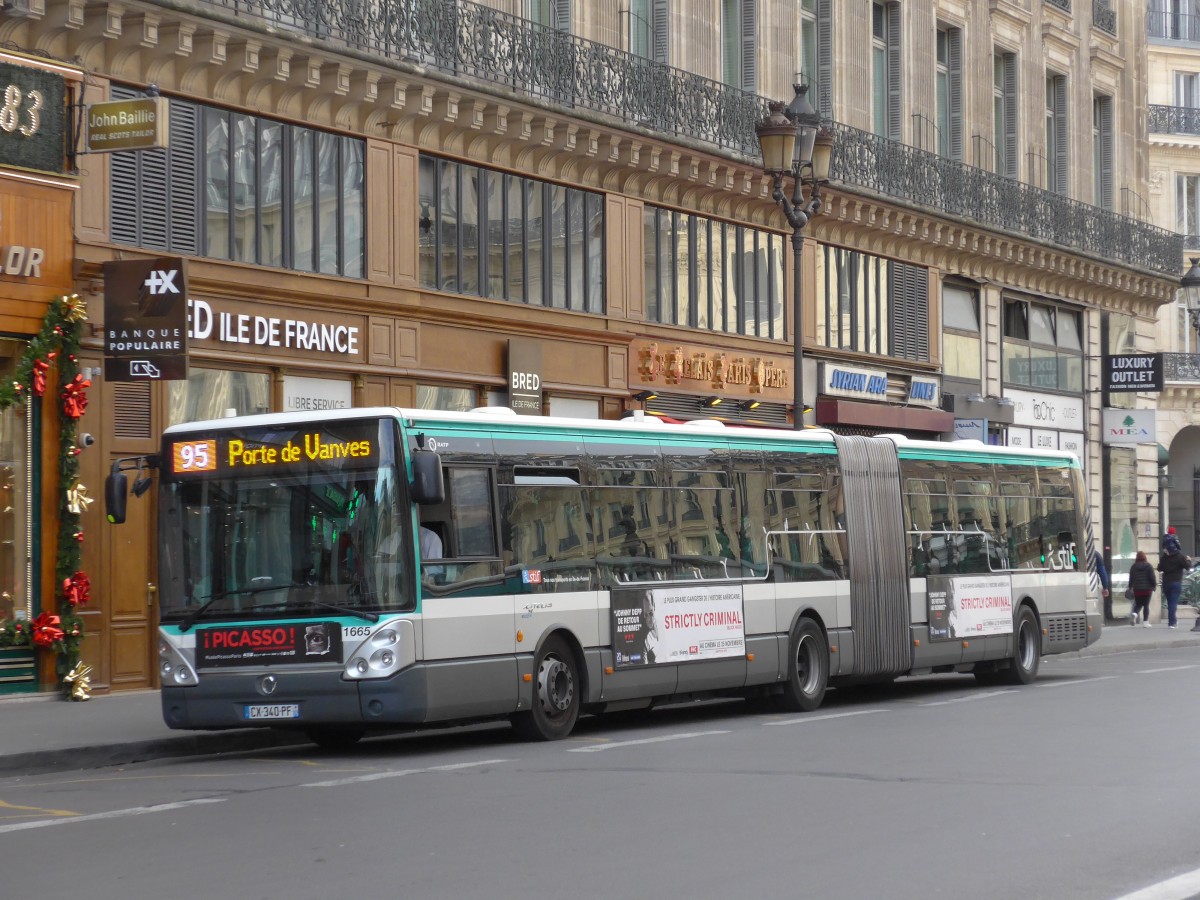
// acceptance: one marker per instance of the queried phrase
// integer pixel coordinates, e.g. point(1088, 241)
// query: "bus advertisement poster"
point(254, 645)
point(673, 625)
point(969, 606)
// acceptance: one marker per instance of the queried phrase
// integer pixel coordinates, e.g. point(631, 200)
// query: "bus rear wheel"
point(1027, 649)
point(555, 695)
point(808, 668)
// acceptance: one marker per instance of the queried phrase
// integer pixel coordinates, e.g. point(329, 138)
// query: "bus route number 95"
point(194, 456)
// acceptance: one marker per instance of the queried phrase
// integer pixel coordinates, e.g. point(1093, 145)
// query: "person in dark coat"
point(1172, 566)
point(1142, 581)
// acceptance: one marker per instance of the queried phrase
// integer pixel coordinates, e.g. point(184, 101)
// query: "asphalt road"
point(1079, 786)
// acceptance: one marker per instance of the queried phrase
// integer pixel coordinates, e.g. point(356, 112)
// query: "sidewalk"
point(43, 733)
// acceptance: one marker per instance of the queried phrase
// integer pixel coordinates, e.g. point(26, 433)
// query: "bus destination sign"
point(275, 452)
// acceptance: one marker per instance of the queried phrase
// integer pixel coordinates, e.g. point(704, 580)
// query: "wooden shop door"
point(122, 625)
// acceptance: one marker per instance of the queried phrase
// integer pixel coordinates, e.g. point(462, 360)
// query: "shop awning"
point(903, 419)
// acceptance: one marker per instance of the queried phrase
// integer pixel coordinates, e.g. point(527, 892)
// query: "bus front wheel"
point(1027, 649)
point(555, 695)
point(808, 668)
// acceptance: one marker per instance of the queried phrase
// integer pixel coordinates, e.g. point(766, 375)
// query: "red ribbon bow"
point(77, 590)
point(46, 632)
point(75, 401)
point(40, 367)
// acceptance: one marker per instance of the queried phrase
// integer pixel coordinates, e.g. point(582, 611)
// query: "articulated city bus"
point(576, 566)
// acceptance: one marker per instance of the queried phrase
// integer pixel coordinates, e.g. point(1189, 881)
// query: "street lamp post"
point(793, 143)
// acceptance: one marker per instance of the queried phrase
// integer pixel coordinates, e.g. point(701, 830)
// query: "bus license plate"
point(274, 711)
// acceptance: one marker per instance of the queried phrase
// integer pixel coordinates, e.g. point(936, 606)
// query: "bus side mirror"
point(115, 490)
point(428, 486)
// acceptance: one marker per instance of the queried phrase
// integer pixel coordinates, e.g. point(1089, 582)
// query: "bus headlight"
point(389, 648)
point(175, 664)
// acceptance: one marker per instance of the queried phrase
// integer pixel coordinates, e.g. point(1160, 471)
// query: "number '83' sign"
point(32, 118)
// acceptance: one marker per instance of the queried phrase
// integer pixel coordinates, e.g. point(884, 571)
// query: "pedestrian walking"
point(1142, 582)
point(1173, 564)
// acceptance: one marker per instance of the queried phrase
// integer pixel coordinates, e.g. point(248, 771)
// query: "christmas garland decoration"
point(55, 347)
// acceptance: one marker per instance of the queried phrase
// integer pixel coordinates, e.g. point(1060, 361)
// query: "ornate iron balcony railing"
point(1174, 119)
point(1191, 242)
point(1181, 367)
point(1172, 26)
point(932, 181)
point(466, 39)
point(1104, 16)
point(1061, 4)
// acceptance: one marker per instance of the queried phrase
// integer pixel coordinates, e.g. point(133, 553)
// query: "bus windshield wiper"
point(190, 619)
point(343, 610)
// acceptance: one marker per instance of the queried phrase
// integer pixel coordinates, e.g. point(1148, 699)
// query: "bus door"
point(878, 554)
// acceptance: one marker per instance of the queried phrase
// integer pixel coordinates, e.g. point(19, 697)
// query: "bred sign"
point(256, 645)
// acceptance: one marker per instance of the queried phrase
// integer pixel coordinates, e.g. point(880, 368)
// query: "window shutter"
point(894, 113)
point(562, 15)
point(1061, 154)
point(908, 312)
point(123, 186)
point(1010, 115)
point(954, 65)
point(749, 49)
point(660, 23)
point(183, 167)
point(1106, 153)
point(824, 66)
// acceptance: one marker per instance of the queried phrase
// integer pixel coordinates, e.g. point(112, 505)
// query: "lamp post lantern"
point(793, 143)
point(1190, 284)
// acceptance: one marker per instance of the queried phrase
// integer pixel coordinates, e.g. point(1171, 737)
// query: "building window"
point(1057, 156)
point(885, 70)
point(873, 305)
point(454, 399)
point(739, 49)
point(701, 273)
point(809, 69)
point(554, 14)
point(949, 93)
point(1187, 89)
point(961, 346)
point(211, 393)
point(1043, 346)
point(1004, 113)
point(1187, 204)
point(244, 188)
point(1102, 152)
point(493, 234)
point(648, 29)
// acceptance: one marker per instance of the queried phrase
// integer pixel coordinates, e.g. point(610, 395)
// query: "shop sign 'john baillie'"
point(525, 377)
point(145, 320)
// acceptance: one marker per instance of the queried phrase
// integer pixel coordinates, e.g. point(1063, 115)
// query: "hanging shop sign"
point(1128, 426)
point(138, 123)
point(656, 364)
point(32, 117)
point(145, 320)
point(1133, 372)
point(525, 377)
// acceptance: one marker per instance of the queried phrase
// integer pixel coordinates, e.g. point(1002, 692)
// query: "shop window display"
point(14, 497)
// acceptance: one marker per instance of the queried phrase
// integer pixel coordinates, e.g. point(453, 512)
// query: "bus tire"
point(556, 695)
point(334, 739)
point(808, 668)
point(1027, 649)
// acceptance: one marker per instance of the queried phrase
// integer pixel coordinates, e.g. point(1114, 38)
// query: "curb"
point(98, 756)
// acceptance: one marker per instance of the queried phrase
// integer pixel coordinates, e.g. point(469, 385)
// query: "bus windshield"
point(254, 535)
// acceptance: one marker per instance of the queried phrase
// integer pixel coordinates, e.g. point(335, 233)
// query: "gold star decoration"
point(74, 308)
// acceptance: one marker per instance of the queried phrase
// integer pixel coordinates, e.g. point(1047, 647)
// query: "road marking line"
point(1180, 887)
point(968, 698)
point(59, 813)
point(1170, 669)
point(1053, 684)
point(656, 740)
point(806, 719)
point(399, 773)
point(112, 814)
